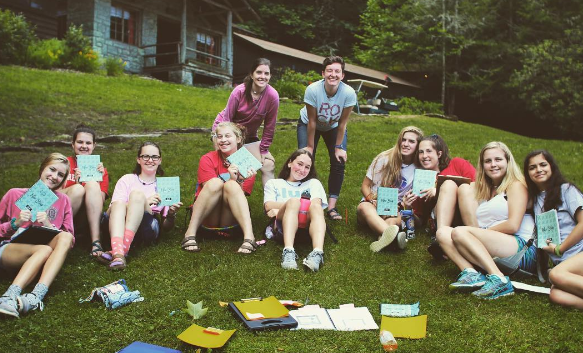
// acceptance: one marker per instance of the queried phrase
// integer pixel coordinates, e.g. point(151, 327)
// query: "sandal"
point(333, 214)
point(249, 245)
point(118, 263)
point(96, 249)
point(189, 241)
point(105, 258)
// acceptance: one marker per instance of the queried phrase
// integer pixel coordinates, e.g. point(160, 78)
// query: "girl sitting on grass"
point(134, 205)
point(86, 196)
point(549, 190)
point(282, 201)
point(221, 191)
point(27, 260)
point(393, 168)
point(434, 155)
point(504, 228)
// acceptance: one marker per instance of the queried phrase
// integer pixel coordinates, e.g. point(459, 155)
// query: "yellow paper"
point(269, 308)
point(405, 327)
point(196, 336)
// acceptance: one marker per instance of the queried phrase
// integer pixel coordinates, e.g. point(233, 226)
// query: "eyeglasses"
point(147, 157)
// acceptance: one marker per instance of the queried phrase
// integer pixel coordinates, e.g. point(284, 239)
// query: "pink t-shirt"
point(211, 166)
point(130, 182)
point(252, 114)
point(60, 213)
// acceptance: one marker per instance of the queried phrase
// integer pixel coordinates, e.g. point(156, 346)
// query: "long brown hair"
point(391, 173)
point(248, 81)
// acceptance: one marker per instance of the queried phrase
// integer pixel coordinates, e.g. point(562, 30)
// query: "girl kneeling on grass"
point(549, 190)
point(504, 228)
point(394, 168)
point(31, 260)
point(282, 201)
point(133, 207)
point(221, 192)
point(91, 194)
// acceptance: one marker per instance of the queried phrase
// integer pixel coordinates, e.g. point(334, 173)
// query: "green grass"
point(41, 105)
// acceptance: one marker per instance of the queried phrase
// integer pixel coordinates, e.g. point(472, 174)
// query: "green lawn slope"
point(38, 106)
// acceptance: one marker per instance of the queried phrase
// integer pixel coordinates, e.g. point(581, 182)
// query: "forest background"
point(514, 64)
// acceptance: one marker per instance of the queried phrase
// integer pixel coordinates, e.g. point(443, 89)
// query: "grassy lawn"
point(40, 105)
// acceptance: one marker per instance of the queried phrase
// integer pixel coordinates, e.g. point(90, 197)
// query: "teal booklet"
point(424, 179)
point(37, 199)
point(87, 164)
point(547, 227)
point(244, 160)
point(387, 201)
point(169, 190)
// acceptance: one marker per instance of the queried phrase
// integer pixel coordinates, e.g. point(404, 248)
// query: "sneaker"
point(28, 302)
point(468, 280)
point(402, 240)
point(494, 288)
point(288, 259)
point(9, 306)
point(314, 259)
point(386, 238)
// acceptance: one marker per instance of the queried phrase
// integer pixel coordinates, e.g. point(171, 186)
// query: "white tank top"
point(495, 211)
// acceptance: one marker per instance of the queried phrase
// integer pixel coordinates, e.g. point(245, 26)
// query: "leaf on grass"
point(195, 310)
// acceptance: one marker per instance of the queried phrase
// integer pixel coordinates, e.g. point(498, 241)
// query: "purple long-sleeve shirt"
point(252, 114)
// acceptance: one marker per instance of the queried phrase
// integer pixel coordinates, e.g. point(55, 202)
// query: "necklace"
point(146, 183)
point(290, 183)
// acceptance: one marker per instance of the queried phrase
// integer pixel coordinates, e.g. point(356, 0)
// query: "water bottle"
point(388, 341)
point(304, 208)
point(408, 223)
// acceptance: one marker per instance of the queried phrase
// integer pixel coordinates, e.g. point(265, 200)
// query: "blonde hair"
point(391, 173)
point(54, 158)
point(238, 130)
point(484, 184)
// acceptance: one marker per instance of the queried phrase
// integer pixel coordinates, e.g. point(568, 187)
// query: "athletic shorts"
point(528, 261)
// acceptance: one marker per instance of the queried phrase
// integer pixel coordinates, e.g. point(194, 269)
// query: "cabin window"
point(123, 25)
point(207, 43)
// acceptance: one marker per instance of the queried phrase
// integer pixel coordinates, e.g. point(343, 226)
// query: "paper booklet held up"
point(37, 199)
point(169, 190)
point(424, 179)
point(244, 160)
point(387, 201)
point(88, 166)
point(547, 227)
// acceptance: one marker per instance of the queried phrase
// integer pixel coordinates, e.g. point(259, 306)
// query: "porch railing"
point(173, 56)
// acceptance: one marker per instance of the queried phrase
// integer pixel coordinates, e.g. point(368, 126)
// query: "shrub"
point(16, 34)
point(114, 67)
point(46, 54)
point(415, 106)
point(76, 42)
point(291, 84)
point(85, 61)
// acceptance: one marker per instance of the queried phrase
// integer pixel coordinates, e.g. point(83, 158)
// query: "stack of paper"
point(345, 318)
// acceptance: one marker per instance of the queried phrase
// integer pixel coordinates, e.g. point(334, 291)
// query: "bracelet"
point(558, 251)
point(339, 146)
point(369, 198)
point(13, 224)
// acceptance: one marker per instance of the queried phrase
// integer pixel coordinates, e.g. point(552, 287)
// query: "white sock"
point(503, 279)
point(318, 249)
point(471, 270)
point(289, 248)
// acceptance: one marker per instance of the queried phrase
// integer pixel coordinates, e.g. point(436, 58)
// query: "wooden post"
point(183, 34)
point(230, 43)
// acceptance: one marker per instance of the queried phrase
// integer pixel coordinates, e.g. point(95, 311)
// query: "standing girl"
point(252, 103)
point(134, 205)
point(31, 260)
point(549, 190)
point(91, 194)
point(220, 194)
point(282, 201)
point(328, 105)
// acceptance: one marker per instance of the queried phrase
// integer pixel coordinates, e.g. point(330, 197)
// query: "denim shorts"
point(528, 261)
point(2, 248)
point(147, 232)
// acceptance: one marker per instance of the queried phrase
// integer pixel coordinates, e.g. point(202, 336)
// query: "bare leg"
point(94, 199)
point(317, 225)
point(76, 194)
point(61, 245)
point(444, 237)
point(234, 198)
point(289, 219)
point(446, 204)
point(268, 169)
point(29, 258)
point(366, 213)
point(567, 279)
point(468, 204)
